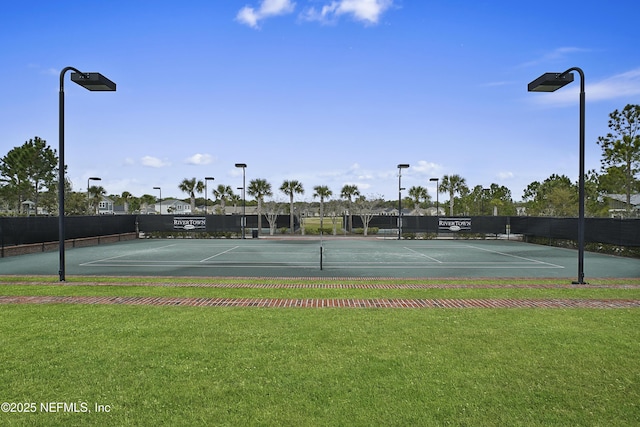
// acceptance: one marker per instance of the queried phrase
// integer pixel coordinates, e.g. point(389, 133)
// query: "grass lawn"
point(306, 367)
point(312, 223)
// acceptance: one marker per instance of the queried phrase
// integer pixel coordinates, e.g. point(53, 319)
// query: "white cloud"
point(252, 16)
point(365, 176)
point(368, 11)
point(199, 159)
point(427, 168)
point(154, 162)
point(557, 55)
point(42, 70)
point(625, 84)
point(505, 175)
point(355, 172)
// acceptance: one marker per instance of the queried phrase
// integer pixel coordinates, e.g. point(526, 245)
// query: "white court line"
point(127, 254)
point(526, 263)
point(297, 253)
point(422, 255)
point(221, 253)
point(306, 266)
point(515, 256)
point(332, 266)
point(443, 266)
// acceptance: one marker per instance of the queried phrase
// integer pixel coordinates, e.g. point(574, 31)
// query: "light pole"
point(400, 167)
point(437, 180)
point(550, 82)
point(93, 178)
point(92, 82)
point(207, 178)
point(159, 189)
point(244, 201)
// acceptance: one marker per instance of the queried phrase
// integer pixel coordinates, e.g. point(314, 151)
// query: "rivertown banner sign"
point(190, 223)
point(454, 224)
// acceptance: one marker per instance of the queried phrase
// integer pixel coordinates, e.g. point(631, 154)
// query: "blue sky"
point(328, 92)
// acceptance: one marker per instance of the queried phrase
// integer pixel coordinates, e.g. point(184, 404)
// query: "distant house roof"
point(169, 206)
point(635, 199)
point(175, 203)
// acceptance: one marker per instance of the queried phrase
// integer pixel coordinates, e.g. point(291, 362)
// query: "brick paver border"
point(323, 302)
point(326, 303)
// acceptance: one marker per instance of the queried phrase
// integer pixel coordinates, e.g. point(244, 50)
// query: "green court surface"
point(333, 257)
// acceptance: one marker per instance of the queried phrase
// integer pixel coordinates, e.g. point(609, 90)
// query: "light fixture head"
point(403, 166)
point(550, 82)
point(241, 165)
point(93, 82)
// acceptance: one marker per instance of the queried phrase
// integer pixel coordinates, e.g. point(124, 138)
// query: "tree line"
point(28, 183)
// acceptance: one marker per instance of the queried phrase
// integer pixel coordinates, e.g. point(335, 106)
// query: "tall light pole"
point(400, 167)
point(159, 189)
point(437, 180)
point(92, 82)
point(207, 178)
point(244, 201)
point(550, 82)
point(93, 178)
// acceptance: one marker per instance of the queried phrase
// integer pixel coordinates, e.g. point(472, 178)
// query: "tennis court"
point(313, 257)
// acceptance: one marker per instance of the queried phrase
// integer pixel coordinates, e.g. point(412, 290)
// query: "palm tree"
point(97, 191)
point(323, 192)
point(126, 196)
point(347, 192)
point(259, 188)
point(418, 193)
point(146, 200)
point(452, 184)
point(191, 186)
point(290, 188)
point(223, 193)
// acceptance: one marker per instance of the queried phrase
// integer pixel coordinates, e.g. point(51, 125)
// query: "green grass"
point(314, 222)
point(317, 293)
point(308, 367)
point(191, 287)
